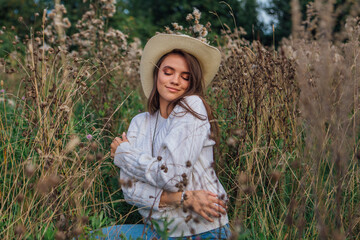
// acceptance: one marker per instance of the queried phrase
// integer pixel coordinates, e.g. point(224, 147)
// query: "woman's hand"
point(116, 142)
point(204, 203)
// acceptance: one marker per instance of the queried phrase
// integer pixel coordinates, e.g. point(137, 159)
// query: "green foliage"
point(153, 15)
point(163, 230)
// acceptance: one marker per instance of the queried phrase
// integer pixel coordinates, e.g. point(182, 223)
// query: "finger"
point(124, 136)
point(212, 194)
point(204, 215)
point(213, 213)
point(220, 202)
point(118, 140)
point(218, 208)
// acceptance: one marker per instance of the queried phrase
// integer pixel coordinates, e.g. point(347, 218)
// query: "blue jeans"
point(135, 231)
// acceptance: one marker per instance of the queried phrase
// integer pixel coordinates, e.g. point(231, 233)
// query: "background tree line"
point(142, 18)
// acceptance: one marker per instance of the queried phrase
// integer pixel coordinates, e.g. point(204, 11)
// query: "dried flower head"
point(59, 235)
point(231, 141)
point(74, 142)
point(29, 170)
point(275, 176)
point(196, 13)
point(20, 229)
point(20, 198)
point(189, 17)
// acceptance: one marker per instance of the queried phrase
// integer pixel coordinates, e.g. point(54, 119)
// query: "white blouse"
point(172, 154)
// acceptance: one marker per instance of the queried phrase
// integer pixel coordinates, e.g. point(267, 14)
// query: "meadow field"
point(289, 117)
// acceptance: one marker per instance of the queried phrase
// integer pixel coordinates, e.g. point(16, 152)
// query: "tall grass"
point(289, 153)
point(291, 130)
point(54, 170)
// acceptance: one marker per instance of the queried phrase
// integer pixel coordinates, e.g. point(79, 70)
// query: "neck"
point(164, 109)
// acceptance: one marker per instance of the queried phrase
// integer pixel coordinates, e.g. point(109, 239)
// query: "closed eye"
point(186, 77)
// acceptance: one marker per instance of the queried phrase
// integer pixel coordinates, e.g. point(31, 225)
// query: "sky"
point(263, 16)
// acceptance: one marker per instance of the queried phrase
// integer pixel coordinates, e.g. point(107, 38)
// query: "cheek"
point(186, 85)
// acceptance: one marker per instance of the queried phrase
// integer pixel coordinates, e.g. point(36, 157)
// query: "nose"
point(175, 79)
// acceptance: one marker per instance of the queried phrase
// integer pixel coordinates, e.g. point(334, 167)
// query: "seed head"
point(222, 197)
point(93, 146)
point(159, 158)
point(249, 190)
point(72, 144)
point(77, 231)
point(20, 198)
point(42, 187)
point(188, 218)
point(295, 164)
point(59, 235)
point(29, 169)
point(87, 184)
point(243, 178)
point(240, 132)
point(275, 176)
point(84, 219)
point(90, 157)
point(189, 17)
point(188, 164)
point(99, 156)
point(20, 229)
point(231, 141)
point(129, 183)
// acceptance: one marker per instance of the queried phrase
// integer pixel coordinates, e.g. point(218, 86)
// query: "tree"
point(150, 16)
point(281, 11)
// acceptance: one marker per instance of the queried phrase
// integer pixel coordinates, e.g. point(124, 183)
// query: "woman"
point(167, 154)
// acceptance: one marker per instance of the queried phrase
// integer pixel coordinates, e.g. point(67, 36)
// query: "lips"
point(174, 90)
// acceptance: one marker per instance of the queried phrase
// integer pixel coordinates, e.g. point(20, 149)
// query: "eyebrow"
point(174, 69)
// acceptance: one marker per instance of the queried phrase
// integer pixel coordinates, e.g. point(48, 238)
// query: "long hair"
point(196, 87)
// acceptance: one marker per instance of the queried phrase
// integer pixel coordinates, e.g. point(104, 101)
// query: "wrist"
point(170, 199)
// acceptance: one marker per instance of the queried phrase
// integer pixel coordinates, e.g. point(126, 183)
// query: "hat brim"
point(208, 56)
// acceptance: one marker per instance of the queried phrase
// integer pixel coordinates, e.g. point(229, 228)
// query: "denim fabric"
point(135, 231)
point(129, 231)
point(218, 233)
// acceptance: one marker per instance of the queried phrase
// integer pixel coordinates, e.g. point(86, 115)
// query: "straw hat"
point(209, 57)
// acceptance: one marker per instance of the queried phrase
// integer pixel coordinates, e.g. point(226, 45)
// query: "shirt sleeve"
point(180, 150)
point(138, 193)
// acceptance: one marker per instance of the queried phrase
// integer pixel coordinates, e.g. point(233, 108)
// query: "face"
point(173, 78)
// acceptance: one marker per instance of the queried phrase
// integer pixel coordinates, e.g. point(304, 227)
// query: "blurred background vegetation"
point(142, 18)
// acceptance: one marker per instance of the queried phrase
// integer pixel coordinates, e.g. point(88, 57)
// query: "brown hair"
point(196, 87)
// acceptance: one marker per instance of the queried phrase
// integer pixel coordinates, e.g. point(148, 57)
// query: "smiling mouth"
point(172, 89)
